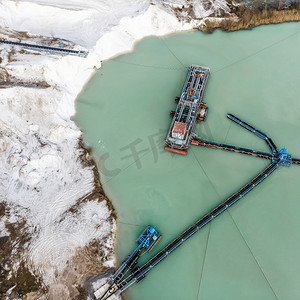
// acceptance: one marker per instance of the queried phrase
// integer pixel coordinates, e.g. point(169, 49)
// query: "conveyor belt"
point(47, 49)
point(140, 273)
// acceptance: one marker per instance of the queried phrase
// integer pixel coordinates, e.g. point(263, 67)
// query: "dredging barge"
point(190, 109)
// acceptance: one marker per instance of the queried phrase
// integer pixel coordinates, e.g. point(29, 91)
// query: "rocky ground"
point(57, 227)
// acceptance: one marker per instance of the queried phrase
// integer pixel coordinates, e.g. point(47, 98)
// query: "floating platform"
point(149, 238)
point(190, 109)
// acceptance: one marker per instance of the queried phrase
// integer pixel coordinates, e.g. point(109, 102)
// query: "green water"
point(250, 252)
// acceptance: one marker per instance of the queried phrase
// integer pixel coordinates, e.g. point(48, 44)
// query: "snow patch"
point(3, 230)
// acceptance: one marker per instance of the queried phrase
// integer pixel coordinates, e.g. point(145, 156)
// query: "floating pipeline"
point(232, 148)
point(255, 131)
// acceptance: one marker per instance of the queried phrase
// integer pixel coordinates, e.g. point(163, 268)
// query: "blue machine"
point(149, 238)
point(284, 157)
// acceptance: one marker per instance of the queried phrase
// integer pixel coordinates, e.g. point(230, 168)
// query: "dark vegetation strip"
point(258, 14)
